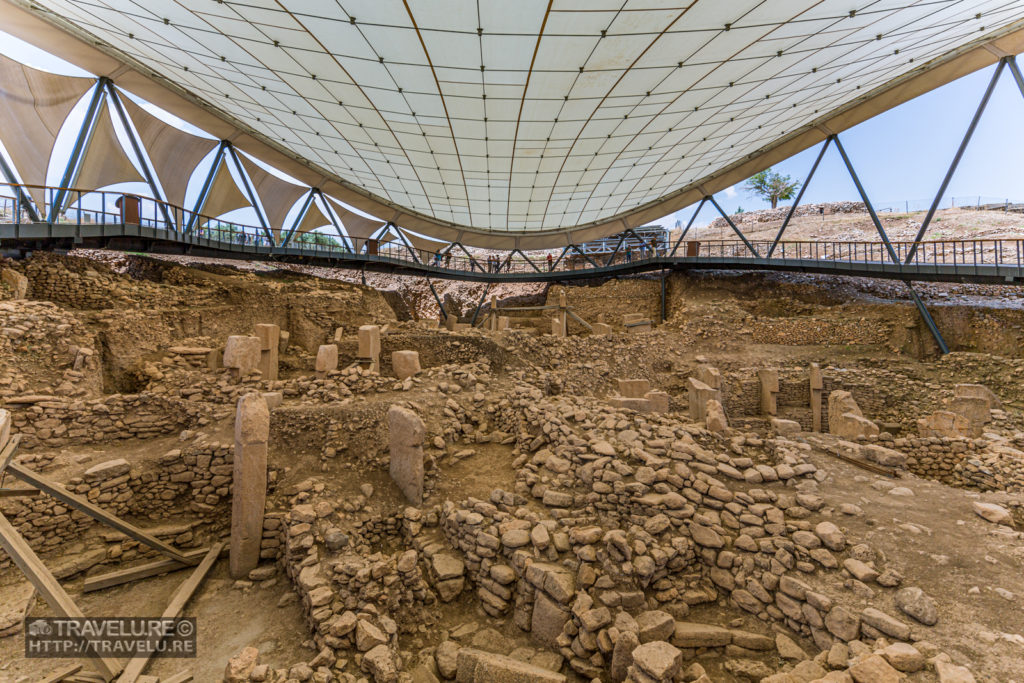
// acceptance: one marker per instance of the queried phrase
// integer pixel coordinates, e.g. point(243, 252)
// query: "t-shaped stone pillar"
point(406, 432)
point(249, 484)
point(369, 346)
point(769, 379)
point(699, 394)
point(270, 340)
point(817, 387)
point(242, 355)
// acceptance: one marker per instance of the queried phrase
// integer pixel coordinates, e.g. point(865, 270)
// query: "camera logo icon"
point(40, 628)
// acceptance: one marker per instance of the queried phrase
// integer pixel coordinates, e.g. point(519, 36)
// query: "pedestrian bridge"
point(159, 230)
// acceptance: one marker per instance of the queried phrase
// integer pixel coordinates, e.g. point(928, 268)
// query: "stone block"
point(602, 329)
point(242, 354)
point(270, 340)
point(273, 398)
point(369, 342)
point(633, 388)
point(557, 327)
point(326, 359)
point(698, 395)
point(709, 375)
point(405, 363)
point(659, 401)
point(714, 416)
point(547, 621)
point(107, 470)
point(693, 635)
point(405, 434)
point(784, 427)
point(943, 423)
point(640, 405)
point(769, 380)
point(249, 483)
point(978, 391)
point(15, 281)
point(479, 666)
point(283, 340)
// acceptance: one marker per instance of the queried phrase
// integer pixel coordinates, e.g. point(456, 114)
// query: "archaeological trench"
point(783, 481)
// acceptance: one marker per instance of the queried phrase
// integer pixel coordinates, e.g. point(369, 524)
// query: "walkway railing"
point(94, 214)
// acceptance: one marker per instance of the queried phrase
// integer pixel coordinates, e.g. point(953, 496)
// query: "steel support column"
point(479, 305)
point(664, 311)
point(584, 255)
point(137, 149)
point(689, 224)
point(799, 196)
point(927, 317)
point(527, 259)
point(346, 241)
point(205, 190)
point(408, 245)
point(23, 198)
point(298, 219)
point(474, 263)
point(956, 159)
point(867, 202)
point(444, 313)
point(84, 134)
point(733, 226)
point(615, 251)
point(558, 260)
point(251, 193)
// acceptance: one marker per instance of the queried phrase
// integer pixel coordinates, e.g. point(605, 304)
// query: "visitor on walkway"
point(551, 263)
point(629, 254)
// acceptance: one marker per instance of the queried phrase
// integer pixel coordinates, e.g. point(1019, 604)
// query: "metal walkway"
point(974, 261)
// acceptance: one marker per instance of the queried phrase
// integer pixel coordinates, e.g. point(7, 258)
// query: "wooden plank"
point(61, 674)
point(580, 320)
point(19, 493)
point(142, 571)
point(180, 677)
point(96, 512)
point(136, 665)
point(54, 594)
point(8, 452)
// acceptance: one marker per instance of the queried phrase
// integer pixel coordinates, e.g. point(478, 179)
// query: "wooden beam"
point(19, 493)
point(8, 452)
point(136, 665)
point(180, 677)
point(97, 513)
point(580, 320)
point(61, 674)
point(56, 597)
point(142, 571)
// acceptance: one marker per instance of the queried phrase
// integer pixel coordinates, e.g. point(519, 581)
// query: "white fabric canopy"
point(224, 195)
point(173, 152)
point(33, 106)
point(535, 117)
point(104, 161)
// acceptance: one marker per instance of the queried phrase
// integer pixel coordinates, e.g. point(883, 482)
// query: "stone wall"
point(55, 422)
point(192, 483)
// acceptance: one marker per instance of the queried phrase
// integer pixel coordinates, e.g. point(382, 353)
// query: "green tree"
point(318, 238)
point(771, 186)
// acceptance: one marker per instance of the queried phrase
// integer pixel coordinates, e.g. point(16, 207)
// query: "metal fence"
point(100, 214)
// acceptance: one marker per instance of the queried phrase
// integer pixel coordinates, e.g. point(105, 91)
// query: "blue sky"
point(900, 155)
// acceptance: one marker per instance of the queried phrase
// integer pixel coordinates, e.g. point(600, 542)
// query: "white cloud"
point(730, 191)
